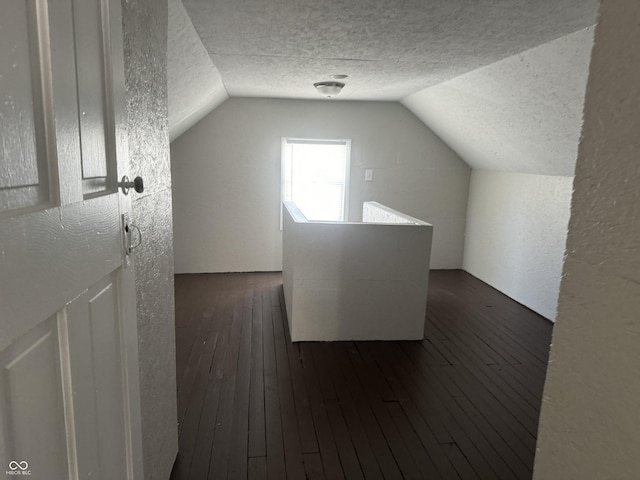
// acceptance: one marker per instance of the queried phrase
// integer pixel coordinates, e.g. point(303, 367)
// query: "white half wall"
point(591, 409)
point(356, 281)
point(521, 114)
point(226, 178)
point(516, 233)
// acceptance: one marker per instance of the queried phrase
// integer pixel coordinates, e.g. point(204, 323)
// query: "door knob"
point(126, 184)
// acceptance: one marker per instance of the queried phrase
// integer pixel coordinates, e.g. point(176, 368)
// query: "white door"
point(69, 390)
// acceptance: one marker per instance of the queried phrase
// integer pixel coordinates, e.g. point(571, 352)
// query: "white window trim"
point(327, 141)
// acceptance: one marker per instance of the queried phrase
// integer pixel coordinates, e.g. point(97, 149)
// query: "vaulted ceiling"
point(421, 52)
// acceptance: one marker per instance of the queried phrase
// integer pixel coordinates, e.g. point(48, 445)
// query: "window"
point(315, 176)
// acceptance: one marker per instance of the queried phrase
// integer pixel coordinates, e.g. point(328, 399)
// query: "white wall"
point(523, 115)
point(226, 178)
point(516, 233)
point(591, 405)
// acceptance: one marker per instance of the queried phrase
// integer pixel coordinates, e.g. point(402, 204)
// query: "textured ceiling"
point(389, 48)
point(194, 85)
point(521, 114)
point(501, 81)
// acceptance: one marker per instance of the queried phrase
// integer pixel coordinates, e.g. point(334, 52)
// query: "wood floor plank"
point(307, 431)
point(421, 391)
point(505, 322)
point(273, 425)
point(219, 461)
point(370, 378)
point(257, 440)
point(313, 466)
point(257, 468)
point(462, 404)
point(240, 426)
point(508, 425)
point(420, 455)
point(341, 435)
point(468, 438)
point(291, 438)
point(326, 442)
point(463, 468)
point(485, 339)
point(306, 428)
point(379, 445)
point(512, 374)
point(512, 451)
point(425, 419)
point(207, 426)
point(523, 410)
point(355, 427)
point(195, 346)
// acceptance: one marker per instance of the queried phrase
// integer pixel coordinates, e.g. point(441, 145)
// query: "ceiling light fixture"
point(329, 89)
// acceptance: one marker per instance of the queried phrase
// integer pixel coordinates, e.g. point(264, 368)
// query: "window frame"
point(317, 141)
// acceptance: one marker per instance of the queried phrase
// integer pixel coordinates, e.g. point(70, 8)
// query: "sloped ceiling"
point(522, 114)
point(194, 84)
point(502, 81)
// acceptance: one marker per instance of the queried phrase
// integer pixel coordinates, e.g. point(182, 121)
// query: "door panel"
point(105, 339)
point(96, 358)
point(25, 182)
point(92, 71)
point(31, 405)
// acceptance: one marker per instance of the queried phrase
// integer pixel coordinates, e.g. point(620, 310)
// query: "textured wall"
point(145, 37)
point(516, 233)
point(226, 178)
point(591, 409)
point(194, 84)
point(522, 114)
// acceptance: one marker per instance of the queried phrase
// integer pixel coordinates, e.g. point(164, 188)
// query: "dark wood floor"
point(461, 404)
